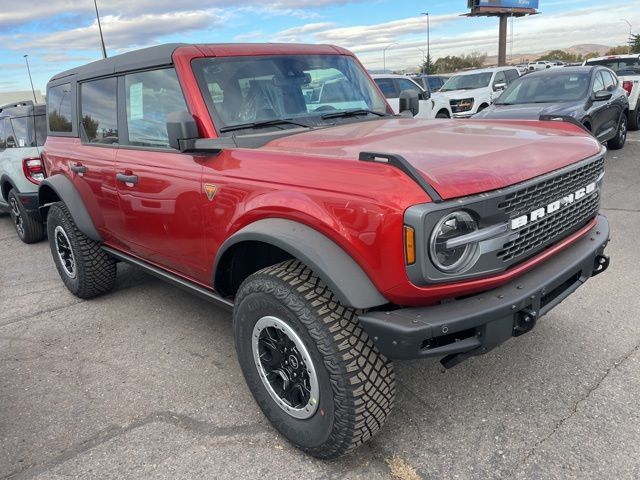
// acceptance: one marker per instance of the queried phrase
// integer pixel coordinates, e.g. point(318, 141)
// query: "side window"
point(59, 105)
point(610, 83)
point(8, 131)
point(598, 83)
point(21, 131)
point(511, 75)
point(500, 78)
point(387, 86)
point(150, 97)
point(404, 84)
point(3, 137)
point(98, 111)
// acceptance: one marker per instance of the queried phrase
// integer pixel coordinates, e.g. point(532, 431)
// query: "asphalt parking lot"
point(143, 382)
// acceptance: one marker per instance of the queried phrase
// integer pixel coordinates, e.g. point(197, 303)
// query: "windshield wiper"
point(276, 122)
point(352, 113)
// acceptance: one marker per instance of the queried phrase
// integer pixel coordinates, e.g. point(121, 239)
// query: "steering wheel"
point(325, 108)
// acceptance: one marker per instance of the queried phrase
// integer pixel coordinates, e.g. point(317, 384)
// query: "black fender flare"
point(329, 261)
point(67, 193)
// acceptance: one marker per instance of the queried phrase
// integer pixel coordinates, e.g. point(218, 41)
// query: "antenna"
point(104, 50)
point(26, 59)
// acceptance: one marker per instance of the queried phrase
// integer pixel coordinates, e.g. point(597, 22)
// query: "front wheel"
point(311, 368)
point(617, 142)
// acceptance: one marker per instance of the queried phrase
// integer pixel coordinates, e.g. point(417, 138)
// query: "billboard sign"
point(529, 4)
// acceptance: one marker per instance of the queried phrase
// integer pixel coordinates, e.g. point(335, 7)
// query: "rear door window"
point(59, 105)
point(98, 111)
point(150, 97)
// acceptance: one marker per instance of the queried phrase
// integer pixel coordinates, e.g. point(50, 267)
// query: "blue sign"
point(507, 3)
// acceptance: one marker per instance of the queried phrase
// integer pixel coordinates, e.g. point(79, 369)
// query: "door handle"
point(124, 178)
point(78, 168)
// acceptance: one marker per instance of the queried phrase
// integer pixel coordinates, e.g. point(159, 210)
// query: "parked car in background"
point(540, 65)
point(471, 92)
point(22, 132)
point(591, 96)
point(431, 83)
point(627, 68)
point(431, 106)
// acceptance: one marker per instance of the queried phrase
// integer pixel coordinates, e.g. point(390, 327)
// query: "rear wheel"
point(634, 118)
point(311, 368)
point(28, 229)
point(617, 142)
point(86, 269)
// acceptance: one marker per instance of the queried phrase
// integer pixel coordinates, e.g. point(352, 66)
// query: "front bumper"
point(463, 114)
point(31, 204)
point(477, 324)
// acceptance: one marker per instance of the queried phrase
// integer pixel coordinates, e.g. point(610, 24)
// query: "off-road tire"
point(617, 142)
point(95, 270)
point(634, 118)
point(31, 230)
point(357, 383)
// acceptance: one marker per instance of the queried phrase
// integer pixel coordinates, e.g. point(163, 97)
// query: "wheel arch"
point(59, 188)
point(268, 241)
point(6, 185)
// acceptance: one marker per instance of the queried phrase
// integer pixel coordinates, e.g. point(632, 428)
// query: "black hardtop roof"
point(138, 59)
point(21, 109)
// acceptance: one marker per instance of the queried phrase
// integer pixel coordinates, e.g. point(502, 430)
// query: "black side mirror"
point(182, 130)
point(602, 96)
point(409, 102)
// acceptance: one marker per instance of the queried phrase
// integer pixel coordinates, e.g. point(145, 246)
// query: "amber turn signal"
point(409, 245)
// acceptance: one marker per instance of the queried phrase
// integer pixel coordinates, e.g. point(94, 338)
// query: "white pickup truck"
point(627, 68)
point(431, 106)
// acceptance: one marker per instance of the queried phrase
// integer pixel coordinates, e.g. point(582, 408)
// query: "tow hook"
point(525, 321)
point(600, 264)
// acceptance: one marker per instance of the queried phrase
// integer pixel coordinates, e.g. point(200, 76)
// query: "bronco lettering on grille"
point(556, 206)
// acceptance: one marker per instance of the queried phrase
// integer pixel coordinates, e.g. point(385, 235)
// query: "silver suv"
point(23, 131)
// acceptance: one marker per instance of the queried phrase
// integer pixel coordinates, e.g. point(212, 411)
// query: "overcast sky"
point(60, 34)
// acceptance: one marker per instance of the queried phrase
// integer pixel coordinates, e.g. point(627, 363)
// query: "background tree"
point(452, 63)
point(562, 56)
point(634, 43)
point(619, 50)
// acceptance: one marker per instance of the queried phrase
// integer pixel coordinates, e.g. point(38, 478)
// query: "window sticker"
point(135, 102)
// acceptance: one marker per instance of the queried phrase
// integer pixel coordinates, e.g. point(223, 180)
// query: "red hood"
point(457, 157)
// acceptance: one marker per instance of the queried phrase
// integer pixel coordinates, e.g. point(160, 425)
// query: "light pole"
point(426, 14)
point(424, 59)
point(630, 32)
point(104, 50)
point(30, 79)
point(384, 55)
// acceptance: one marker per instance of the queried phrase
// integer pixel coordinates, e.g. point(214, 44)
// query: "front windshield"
point(558, 87)
point(622, 66)
point(467, 82)
point(298, 88)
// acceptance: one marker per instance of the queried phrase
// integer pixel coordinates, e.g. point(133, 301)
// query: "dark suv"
point(274, 181)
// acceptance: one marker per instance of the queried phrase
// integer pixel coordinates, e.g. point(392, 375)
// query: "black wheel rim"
point(285, 367)
point(64, 251)
point(17, 217)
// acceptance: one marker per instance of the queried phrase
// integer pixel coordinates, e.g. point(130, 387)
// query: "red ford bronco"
point(274, 180)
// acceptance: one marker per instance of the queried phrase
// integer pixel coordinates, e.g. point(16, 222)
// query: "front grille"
point(522, 202)
point(546, 230)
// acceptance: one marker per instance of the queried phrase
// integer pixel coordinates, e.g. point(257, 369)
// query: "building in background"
point(20, 96)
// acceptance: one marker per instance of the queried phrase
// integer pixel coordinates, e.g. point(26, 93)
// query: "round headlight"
point(455, 259)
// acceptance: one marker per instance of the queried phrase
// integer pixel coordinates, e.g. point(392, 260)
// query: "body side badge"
point(210, 190)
